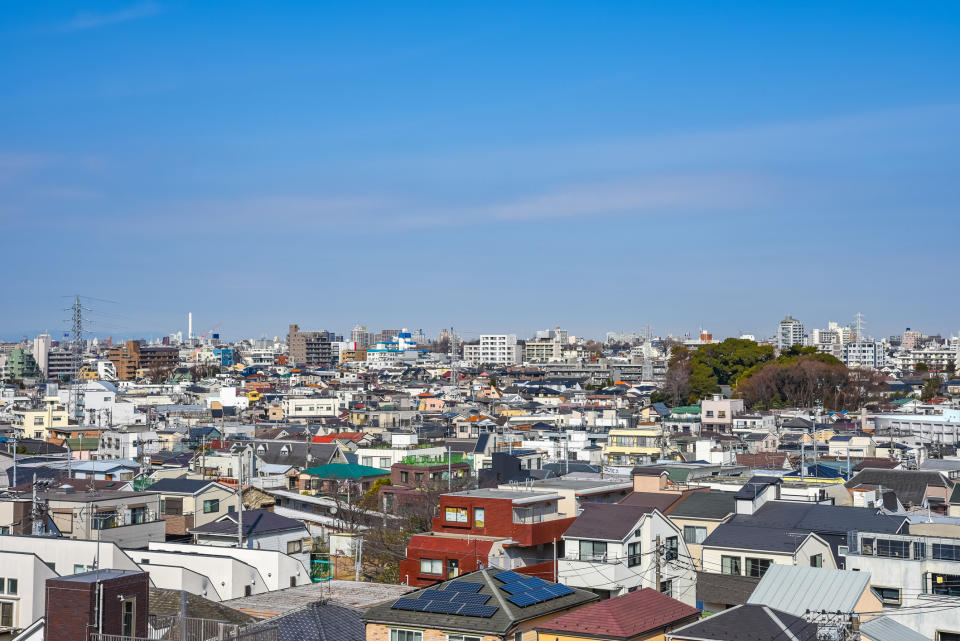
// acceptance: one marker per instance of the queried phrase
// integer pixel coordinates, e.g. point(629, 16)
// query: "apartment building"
point(864, 354)
point(494, 349)
point(311, 348)
point(789, 333)
point(718, 413)
point(633, 446)
point(133, 359)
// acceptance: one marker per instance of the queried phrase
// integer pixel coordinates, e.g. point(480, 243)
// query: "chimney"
point(107, 601)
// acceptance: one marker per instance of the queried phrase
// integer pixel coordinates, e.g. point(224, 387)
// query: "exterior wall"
point(696, 550)
point(277, 568)
point(712, 556)
point(499, 520)
point(72, 607)
point(632, 446)
point(31, 575)
point(379, 632)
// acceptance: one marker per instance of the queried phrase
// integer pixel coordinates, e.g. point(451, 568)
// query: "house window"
point(12, 586)
point(406, 635)
point(816, 561)
point(709, 413)
point(888, 596)
point(947, 636)
point(294, 547)
point(431, 566)
point(461, 637)
point(945, 552)
point(478, 514)
point(670, 547)
point(633, 554)
point(897, 549)
point(6, 614)
point(129, 618)
point(757, 567)
point(946, 584)
point(593, 550)
point(456, 515)
point(667, 587)
point(694, 534)
point(211, 505)
point(730, 565)
point(404, 477)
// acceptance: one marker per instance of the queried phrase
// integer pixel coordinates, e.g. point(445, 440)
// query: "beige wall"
point(696, 550)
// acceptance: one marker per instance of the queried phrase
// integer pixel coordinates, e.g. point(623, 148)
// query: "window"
point(946, 584)
point(757, 567)
point(431, 566)
point(593, 550)
point(667, 587)
point(730, 565)
point(6, 614)
point(633, 555)
point(129, 618)
point(816, 561)
point(12, 586)
point(77, 568)
point(888, 596)
point(709, 413)
point(944, 552)
point(897, 549)
point(694, 534)
point(866, 546)
point(518, 636)
point(211, 505)
point(919, 550)
point(948, 636)
point(461, 637)
point(478, 513)
point(670, 546)
point(404, 477)
point(294, 547)
point(456, 515)
point(173, 507)
point(406, 635)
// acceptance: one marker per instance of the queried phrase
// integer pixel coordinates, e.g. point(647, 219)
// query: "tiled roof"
point(749, 623)
point(624, 617)
point(254, 522)
point(606, 521)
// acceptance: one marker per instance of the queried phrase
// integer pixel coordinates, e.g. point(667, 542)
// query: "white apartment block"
point(494, 349)
point(789, 333)
point(864, 354)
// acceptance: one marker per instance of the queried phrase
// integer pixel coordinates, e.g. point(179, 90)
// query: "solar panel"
point(514, 588)
point(559, 590)
point(443, 607)
point(535, 582)
point(464, 586)
point(523, 600)
point(438, 595)
point(464, 597)
point(508, 576)
point(413, 605)
point(540, 594)
point(471, 610)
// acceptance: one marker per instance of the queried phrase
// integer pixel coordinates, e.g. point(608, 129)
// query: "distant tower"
point(76, 386)
point(189, 325)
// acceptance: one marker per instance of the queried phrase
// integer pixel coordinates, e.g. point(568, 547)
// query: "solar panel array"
point(460, 598)
point(524, 590)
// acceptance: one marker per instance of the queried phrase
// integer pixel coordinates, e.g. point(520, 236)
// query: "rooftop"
point(624, 617)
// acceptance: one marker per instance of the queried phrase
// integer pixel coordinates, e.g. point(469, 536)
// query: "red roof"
point(342, 436)
point(623, 617)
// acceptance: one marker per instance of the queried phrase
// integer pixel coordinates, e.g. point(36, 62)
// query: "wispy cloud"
point(89, 20)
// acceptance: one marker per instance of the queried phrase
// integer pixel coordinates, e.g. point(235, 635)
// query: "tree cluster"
point(695, 374)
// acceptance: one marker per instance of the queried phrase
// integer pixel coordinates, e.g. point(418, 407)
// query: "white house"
point(613, 549)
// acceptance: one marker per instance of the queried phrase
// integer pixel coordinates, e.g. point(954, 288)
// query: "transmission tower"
point(452, 348)
point(76, 347)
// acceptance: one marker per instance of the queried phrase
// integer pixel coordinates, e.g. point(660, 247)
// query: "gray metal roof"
point(886, 629)
point(796, 589)
point(706, 505)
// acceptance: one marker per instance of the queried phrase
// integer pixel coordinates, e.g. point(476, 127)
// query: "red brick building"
point(513, 529)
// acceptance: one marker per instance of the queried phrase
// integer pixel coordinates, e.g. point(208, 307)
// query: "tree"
point(922, 367)
point(931, 389)
point(692, 375)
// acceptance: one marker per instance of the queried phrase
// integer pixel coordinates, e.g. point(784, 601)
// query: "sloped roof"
point(254, 522)
point(706, 505)
point(624, 617)
point(886, 629)
point(164, 601)
point(796, 589)
point(910, 485)
point(607, 521)
point(660, 500)
point(180, 486)
point(748, 623)
point(319, 620)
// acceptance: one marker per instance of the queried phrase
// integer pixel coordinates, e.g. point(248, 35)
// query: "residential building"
point(504, 605)
point(642, 615)
point(576, 493)
point(40, 423)
point(311, 348)
point(130, 519)
point(188, 503)
point(916, 577)
point(22, 589)
point(511, 529)
point(633, 446)
point(261, 530)
point(852, 445)
point(114, 601)
point(717, 413)
point(133, 360)
point(494, 349)
point(799, 589)
point(864, 353)
point(789, 333)
point(21, 365)
point(130, 442)
point(613, 549)
point(310, 407)
point(697, 515)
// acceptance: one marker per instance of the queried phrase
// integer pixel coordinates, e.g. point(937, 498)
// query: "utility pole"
point(803, 459)
point(556, 571)
point(240, 500)
point(449, 470)
point(656, 557)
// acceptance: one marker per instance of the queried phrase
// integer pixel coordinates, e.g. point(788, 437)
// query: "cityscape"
point(479, 322)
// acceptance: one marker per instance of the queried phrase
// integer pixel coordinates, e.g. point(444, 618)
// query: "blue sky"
point(492, 167)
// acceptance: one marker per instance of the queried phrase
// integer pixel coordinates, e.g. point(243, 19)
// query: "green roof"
point(88, 443)
point(677, 474)
point(345, 471)
point(685, 409)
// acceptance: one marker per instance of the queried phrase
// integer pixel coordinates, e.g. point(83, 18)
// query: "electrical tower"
point(452, 349)
point(76, 348)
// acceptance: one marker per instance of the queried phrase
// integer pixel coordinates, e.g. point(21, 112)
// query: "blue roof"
point(662, 409)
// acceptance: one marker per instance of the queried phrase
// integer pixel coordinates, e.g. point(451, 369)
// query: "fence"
point(173, 628)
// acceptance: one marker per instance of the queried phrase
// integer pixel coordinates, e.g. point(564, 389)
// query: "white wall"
point(31, 575)
point(275, 567)
point(67, 553)
point(170, 577)
point(228, 575)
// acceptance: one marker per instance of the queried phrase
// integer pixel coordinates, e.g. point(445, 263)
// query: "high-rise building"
point(41, 348)
point(789, 333)
point(911, 338)
point(132, 359)
point(495, 349)
point(361, 337)
point(311, 348)
point(21, 365)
